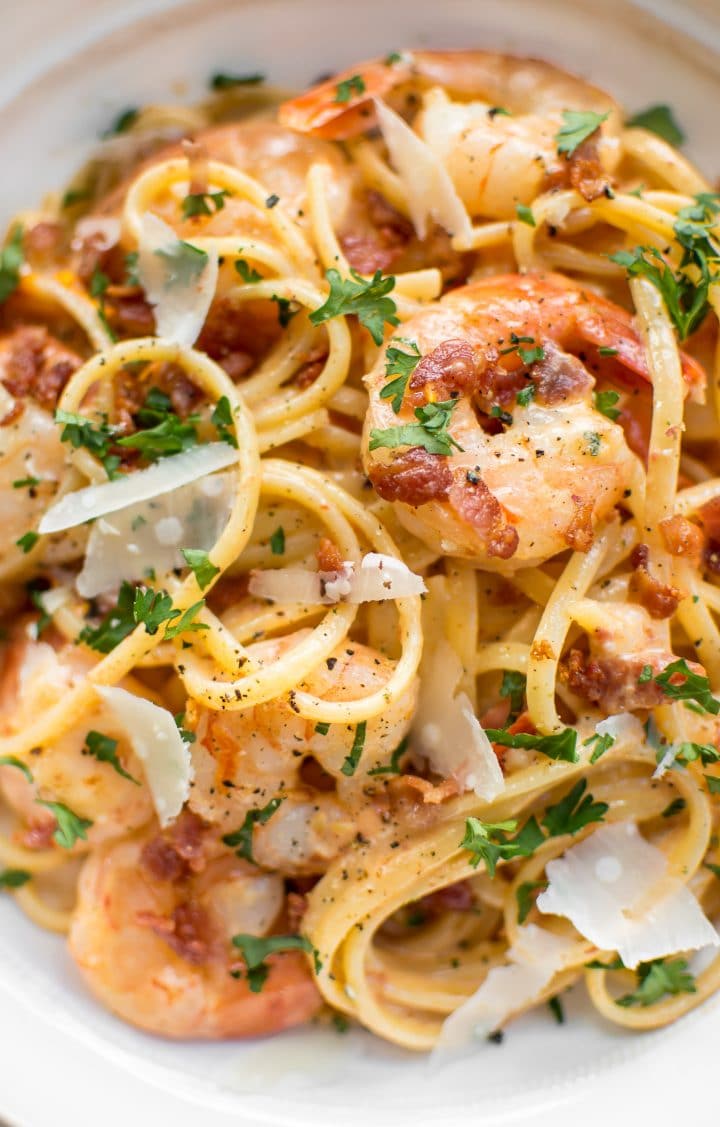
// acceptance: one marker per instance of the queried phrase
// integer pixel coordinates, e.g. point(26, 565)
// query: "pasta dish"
point(361, 573)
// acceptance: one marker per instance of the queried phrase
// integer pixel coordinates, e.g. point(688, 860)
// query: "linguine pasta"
point(433, 602)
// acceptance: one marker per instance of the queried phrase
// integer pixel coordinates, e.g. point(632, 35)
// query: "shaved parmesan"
point(448, 732)
point(377, 578)
point(533, 961)
point(148, 536)
point(157, 743)
point(603, 886)
point(162, 477)
point(181, 298)
point(623, 727)
point(102, 230)
point(430, 192)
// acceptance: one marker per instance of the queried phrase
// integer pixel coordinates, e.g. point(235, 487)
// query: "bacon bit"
point(34, 364)
point(328, 555)
point(312, 367)
point(228, 591)
point(186, 835)
point(587, 175)
point(131, 391)
point(559, 377)
point(413, 477)
point(297, 906)
point(612, 682)
point(457, 897)
point(129, 313)
point(542, 651)
point(14, 413)
point(162, 861)
point(659, 599)
point(39, 835)
point(187, 931)
point(474, 503)
point(579, 534)
point(432, 793)
point(238, 337)
point(710, 518)
point(451, 367)
point(381, 245)
point(496, 716)
point(683, 538)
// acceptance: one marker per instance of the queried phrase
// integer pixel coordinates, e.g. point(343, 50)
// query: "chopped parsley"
point(527, 355)
point(27, 542)
point(367, 298)
point(184, 263)
point(512, 686)
point(594, 441)
point(322, 727)
point(201, 566)
point(525, 896)
point(658, 119)
point(675, 807)
point(186, 735)
point(11, 259)
point(693, 687)
point(430, 432)
point(13, 761)
point(713, 784)
point(203, 203)
point(605, 403)
point(82, 432)
point(241, 840)
point(135, 606)
point(351, 761)
point(658, 978)
point(26, 483)
point(44, 619)
point(525, 214)
point(277, 542)
point(221, 81)
point(577, 126)
point(558, 745)
point(247, 273)
point(401, 365)
point(132, 259)
point(272, 201)
point(606, 350)
point(574, 812)
point(496, 412)
point(122, 123)
point(104, 749)
point(349, 87)
point(691, 752)
point(602, 744)
point(222, 420)
point(255, 950)
point(70, 827)
point(526, 395)
point(556, 1009)
point(14, 878)
point(393, 767)
point(645, 675)
point(99, 283)
point(489, 841)
point(74, 196)
point(285, 310)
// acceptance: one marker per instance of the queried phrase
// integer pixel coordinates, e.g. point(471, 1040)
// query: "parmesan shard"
point(377, 578)
point(179, 280)
point(607, 887)
point(447, 731)
point(164, 476)
point(431, 194)
point(533, 961)
point(156, 741)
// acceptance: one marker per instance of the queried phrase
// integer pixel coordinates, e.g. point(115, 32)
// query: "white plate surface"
point(65, 71)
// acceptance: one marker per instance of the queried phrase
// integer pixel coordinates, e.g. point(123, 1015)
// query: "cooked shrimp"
point(558, 456)
point(491, 119)
point(36, 674)
point(243, 760)
point(152, 934)
point(34, 368)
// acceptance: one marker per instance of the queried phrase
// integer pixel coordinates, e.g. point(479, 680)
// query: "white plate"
point(65, 71)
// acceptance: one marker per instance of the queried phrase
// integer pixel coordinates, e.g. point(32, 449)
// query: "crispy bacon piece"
point(559, 377)
point(34, 364)
point(682, 538)
point(187, 930)
point(611, 682)
point(329, 557)
point(587, 175)
point(710, 518)
point(451, 367)
point(128, 312)
point(432, 794)
point(457, 897)
point(473, 502)
point(297, 906)
point(379, 245)
point(659, 599)
point(172, 855)
point(413, 477)
point(579, 534)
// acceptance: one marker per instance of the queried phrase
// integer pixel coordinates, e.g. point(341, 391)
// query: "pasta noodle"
point(496, 417)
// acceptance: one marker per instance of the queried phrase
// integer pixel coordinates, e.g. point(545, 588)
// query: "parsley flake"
point(13, 761)
point(658, 978)
point(693, 687)
point(658, 119)
point(559, 745)
point(14, 878)
point(221, 81)
point(345, 90)
point(201, 566)
point(393, 767)
point(574, 812)
point(525, 897)
point(277, 542)
point(512, 686)
point(241, 840)
point(602, 743)
point(70, 827)
point(104, 749)
point(594, 441)
point(488, 841)
point(247, 273)
point(203, 203)
point(577, 126)
point(286, 312)
point(367, 298)
point(351, 761)
point(255, 950)
point(430, 431)
point(27, 542)
point(11, 259)
point(122, 123)
point(525, 214)
point(80, 431)
point(605, 403)
point(402, 365)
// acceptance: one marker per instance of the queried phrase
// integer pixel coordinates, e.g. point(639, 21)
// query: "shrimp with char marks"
point(152, 936)
point(244, 760)
point(490, 119)
point(514, 360)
